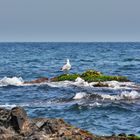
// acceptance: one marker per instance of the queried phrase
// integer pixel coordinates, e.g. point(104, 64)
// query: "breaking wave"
point(15, 81)
point(80, 95)
point(125, 95)
point(8, 106)
point(79, 82)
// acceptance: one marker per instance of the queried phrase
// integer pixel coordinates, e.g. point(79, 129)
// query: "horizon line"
point(69, 41)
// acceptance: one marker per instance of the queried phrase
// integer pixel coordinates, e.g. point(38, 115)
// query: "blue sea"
point(102, 111)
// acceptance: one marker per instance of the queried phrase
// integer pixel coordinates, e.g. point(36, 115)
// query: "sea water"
point(104, 111)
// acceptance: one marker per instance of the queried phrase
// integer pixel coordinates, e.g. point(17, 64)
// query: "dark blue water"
point(120, 112)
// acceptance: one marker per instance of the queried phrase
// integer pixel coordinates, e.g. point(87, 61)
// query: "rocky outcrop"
point(15, 125)
point(88, 76)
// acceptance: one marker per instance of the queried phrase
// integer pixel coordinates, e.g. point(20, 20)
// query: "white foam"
point(114, 84)
point(16, 81)
point(80, 81)
point(109, 97)
point(125, 95)
point(121, 85)
point(79, 95)
point(95, 104)
point(130, 95)
point(60, 84)
point(8, 106)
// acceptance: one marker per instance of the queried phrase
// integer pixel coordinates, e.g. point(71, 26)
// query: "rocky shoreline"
point(16, 125)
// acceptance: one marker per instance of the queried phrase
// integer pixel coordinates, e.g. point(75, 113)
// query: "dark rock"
point(4, 117)
point(113, 135)
point(132, 135)
point(15, 125)
point(122, 135)
point(100, 84)
point(54, 79)
point(44, 125)
point(47, 127)
point(19, 121)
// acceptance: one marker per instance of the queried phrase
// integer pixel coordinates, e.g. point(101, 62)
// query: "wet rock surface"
point(15, 125)
point(37, 81)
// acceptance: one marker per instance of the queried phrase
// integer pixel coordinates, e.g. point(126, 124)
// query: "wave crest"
point(80, 95)
point(125, 95)
point(15, 81)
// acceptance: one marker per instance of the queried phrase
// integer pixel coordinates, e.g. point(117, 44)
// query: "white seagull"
point(67, 66)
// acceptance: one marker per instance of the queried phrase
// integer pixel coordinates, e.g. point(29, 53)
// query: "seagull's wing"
point(64, 67)
point(68, 67)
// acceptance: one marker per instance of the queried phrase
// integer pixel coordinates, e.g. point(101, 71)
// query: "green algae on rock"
point(95, 76)
point(63, 77)
point(90, 76)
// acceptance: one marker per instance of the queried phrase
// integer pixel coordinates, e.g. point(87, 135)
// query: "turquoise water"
point(100, 110)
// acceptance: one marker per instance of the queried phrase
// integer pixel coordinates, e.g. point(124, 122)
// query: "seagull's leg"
point(64, 71)
point(67, 72)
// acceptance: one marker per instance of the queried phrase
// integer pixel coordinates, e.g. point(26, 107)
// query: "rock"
point(90, 76)
point(37, 81)
point(4, 117)
point(113, 134)
point(19, 121)
point(101, 84)
point(46, 126)
point(15, 125)
point(54, 79)
point(122, 135)
point(132, 135)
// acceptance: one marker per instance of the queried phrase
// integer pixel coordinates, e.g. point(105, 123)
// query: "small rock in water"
point(122, 135)
point(101, 84)
point(113, 135)
point(132, 135)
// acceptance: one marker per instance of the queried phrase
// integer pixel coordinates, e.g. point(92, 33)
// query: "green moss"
point(90, 76)
point(133, 137)
point(103, 78)
point(95, 76)
point(91, 73)
point(69, 77)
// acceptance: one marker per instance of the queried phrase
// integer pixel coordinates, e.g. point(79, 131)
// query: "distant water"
point(100, 110)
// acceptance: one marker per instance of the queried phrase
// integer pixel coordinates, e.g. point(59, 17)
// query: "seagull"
point(67, 66)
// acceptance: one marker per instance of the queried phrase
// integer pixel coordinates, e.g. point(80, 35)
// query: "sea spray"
point(15, 81)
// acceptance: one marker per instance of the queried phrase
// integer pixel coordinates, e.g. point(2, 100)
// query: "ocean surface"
point(103, 111)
